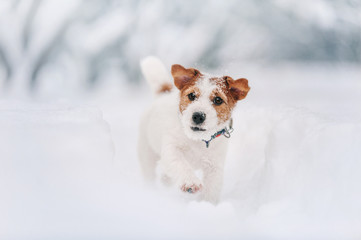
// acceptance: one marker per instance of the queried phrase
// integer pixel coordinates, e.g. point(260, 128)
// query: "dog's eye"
point(192, 96)
point(217, 101)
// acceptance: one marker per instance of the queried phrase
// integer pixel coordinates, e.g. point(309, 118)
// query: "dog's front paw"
point(192, 186)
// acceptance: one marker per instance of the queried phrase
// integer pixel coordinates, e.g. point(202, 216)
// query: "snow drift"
point(69, 170)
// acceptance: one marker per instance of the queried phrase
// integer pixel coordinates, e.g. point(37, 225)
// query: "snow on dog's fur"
point(173, 129)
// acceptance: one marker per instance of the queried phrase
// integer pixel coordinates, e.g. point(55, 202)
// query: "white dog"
point(180, 129)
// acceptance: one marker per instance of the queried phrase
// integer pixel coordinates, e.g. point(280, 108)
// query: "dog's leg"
point(167, 181)
point(213, 181)
point(175, 166)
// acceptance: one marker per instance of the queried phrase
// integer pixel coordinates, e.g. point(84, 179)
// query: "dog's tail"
point(156, 75)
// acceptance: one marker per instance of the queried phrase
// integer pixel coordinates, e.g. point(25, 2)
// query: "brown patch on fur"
point(165, 87)
point(184, 100)
point(184, 76)
point(184, 80)
point(230, 91)
point(239, 88)
point(225, 109)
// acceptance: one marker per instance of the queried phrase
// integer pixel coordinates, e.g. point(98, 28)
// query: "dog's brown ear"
point(238, 88)
point(183, 76)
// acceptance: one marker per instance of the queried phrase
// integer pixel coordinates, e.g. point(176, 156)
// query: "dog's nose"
point(198, 117)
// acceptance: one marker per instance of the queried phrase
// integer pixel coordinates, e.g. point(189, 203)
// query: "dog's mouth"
point(197, 129)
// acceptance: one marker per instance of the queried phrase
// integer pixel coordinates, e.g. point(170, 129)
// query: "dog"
point(182, 131)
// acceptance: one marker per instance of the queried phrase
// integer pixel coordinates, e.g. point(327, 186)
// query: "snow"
point(68, 166)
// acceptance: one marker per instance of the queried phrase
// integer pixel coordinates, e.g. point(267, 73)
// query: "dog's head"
point(206, 102)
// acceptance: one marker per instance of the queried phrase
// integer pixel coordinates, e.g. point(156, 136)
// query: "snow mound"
point(67, 172)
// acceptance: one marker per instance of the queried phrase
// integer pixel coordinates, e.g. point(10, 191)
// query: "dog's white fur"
point(165, 137)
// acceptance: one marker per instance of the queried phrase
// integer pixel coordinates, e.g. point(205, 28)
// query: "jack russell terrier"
point(180, 129)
